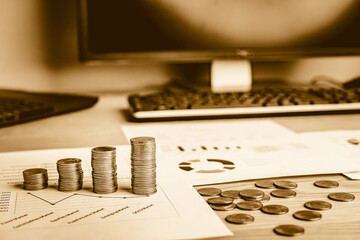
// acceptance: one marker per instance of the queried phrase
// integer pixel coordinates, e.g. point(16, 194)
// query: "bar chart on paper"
point(208, 152)
point(49, 207)
point(86, 214)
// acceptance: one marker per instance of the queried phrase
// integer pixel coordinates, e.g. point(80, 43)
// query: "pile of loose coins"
point(103, 163)
point(35, 179)
point(254, 199)
point(143, 165)
point(70, 174)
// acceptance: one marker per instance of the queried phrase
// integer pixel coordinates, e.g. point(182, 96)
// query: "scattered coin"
point(143, 165)
point(209, 191)
point(289, 230)
point(249, 205)
point(70, 174)
point(230, 194)
point(353, 141)
point(307, 215)
point(266, 198)
point(283, 193)
point(326, 184)
point(268, 184)
point(35, 178)
point(103, 163)
point(240, 218)
point(252, 194)
point(228, 207)
point(285, 184)
point(275, 209)
point(341, 197)
point(220, 200)
point(318, 205)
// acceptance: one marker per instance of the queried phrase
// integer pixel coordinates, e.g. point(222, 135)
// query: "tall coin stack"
point(143, 165)
point(70, 174)
point(103, 163)
point(35, 178)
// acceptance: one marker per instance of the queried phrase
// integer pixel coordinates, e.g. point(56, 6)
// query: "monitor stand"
point(231, 75)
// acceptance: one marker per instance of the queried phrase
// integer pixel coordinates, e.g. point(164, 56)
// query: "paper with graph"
point(345, 142)
point(232, 150)
point(52, 214)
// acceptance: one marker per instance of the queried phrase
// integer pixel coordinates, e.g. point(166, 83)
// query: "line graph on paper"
point(50, 207)
point(27, 202)
point(81, 195)
point(22, 202)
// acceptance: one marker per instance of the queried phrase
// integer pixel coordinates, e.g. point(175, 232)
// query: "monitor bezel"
point(199, 56)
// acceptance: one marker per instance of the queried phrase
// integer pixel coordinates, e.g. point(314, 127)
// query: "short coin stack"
point(143, 165)
point(70, 174)
point(103, 163)
point(35, 178)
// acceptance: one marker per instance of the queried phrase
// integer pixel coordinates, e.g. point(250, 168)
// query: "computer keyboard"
point(257, 102)
point(21, 106)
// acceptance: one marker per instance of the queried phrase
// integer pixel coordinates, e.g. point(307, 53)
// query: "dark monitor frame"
point(251, 54)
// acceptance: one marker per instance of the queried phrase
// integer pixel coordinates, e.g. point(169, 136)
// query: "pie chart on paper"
point(208, 165)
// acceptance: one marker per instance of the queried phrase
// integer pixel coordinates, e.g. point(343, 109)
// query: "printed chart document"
point(175, 211)
point(345, 142)
point(209, 152)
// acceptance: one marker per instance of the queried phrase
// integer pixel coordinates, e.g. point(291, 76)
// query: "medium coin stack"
point(143, 165)
point(103, 163)
point(35, 178)
point(70, 174)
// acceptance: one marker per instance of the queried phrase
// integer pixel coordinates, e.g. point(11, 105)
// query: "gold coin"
point(209, 191)
point(318, 205)
point(307, 215)
point(283, 193)
point(230, 194)
point(249, 205)
point(341, 197)
point(353, 141)
point(285, 184)
point(266, 198)
point(326, 184)
point(240, 218)
point(275, 209)
point(228, 207)
point(252, 194)
point(268, 184)
point(220, 200)
point(32, 171)
point(289, 230)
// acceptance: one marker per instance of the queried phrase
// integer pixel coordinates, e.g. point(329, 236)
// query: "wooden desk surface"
point(340, 222)
point(101, 125)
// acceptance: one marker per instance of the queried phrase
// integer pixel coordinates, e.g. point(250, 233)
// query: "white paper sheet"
point(223, 151)
point(345, 142)
point(176, 211)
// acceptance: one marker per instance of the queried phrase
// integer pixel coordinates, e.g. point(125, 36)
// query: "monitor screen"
point(203, 30)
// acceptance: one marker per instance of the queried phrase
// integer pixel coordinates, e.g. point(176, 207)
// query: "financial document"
point(345, 142)
point(175, 211)
point(209, 152)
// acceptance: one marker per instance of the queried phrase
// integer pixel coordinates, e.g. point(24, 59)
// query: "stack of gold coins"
point(70, 174)
point(143, 165)
point(35, 178)
point(103, 163)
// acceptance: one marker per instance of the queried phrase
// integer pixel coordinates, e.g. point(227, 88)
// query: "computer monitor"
point(229, 34)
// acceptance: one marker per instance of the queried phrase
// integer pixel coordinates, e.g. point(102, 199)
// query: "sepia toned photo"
point(179, 119)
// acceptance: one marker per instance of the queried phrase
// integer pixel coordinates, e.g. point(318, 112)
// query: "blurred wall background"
point(38, 51)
